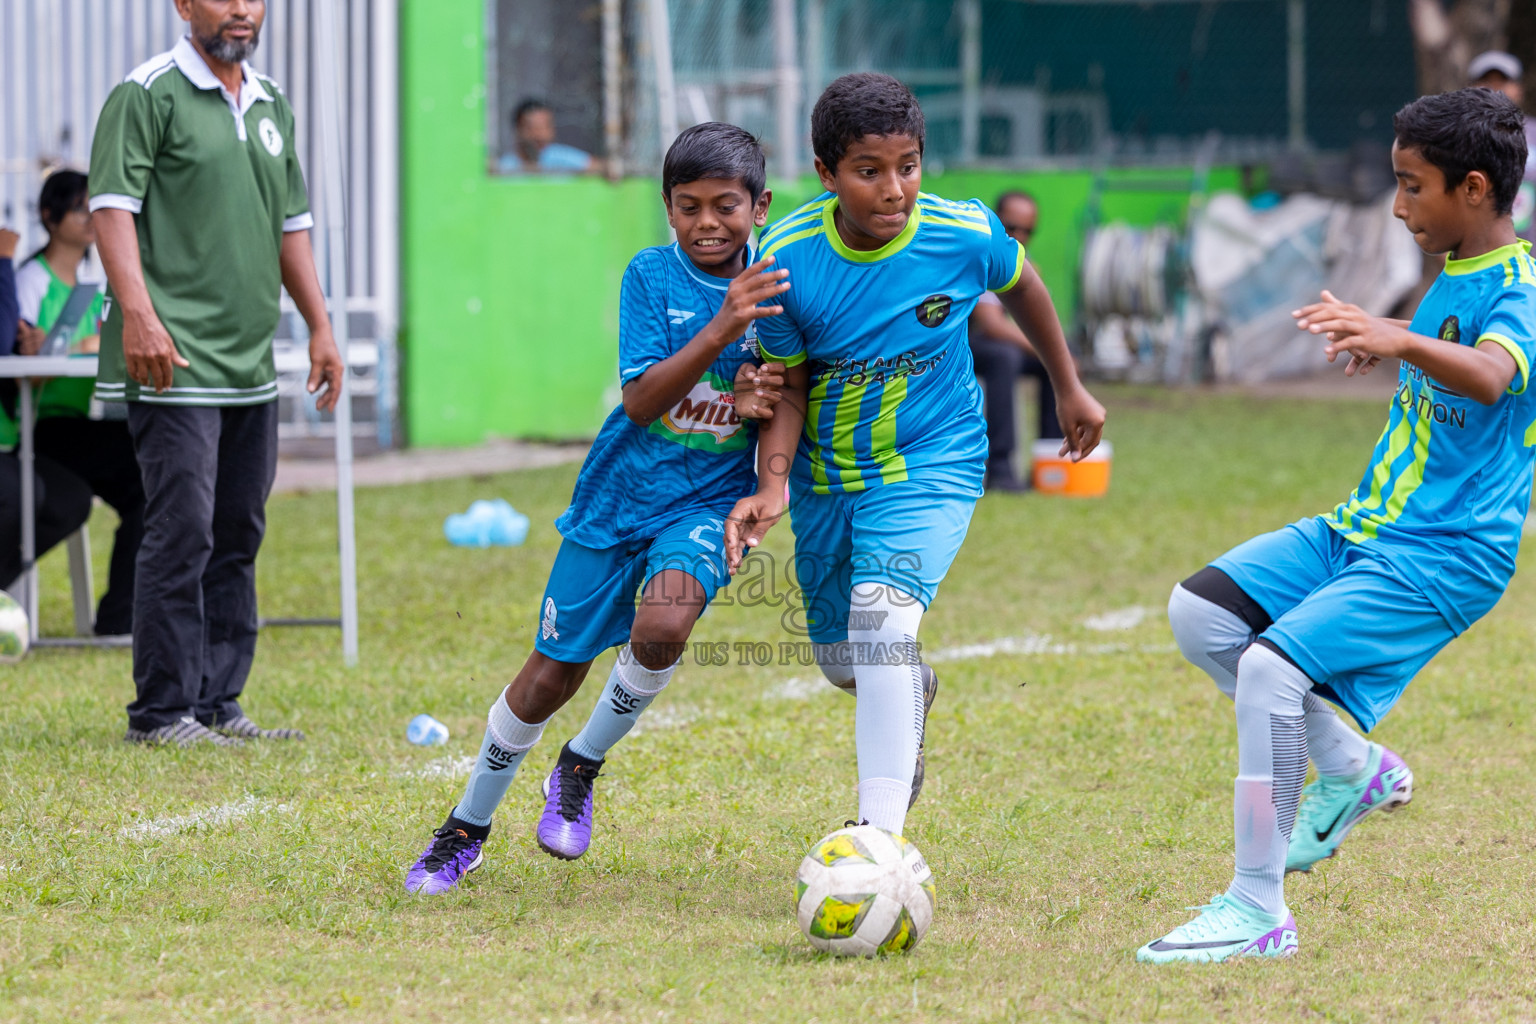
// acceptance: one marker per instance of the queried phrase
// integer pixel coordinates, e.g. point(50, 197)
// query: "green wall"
point(511, 286)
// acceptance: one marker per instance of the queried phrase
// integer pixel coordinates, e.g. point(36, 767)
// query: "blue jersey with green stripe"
point(893, 390)
point(1449, 484)
point(636, 480)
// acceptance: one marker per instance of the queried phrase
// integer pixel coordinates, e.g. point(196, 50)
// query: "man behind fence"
point(202, 218)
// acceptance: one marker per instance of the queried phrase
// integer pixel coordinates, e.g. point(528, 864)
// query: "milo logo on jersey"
point(705, 418)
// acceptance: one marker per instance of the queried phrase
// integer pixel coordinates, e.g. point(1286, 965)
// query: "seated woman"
point(99, 451)
point(63, 499)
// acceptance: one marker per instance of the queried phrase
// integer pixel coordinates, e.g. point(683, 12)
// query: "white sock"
point(1210, 637)
point(630, 689)
point(1271, 767)
point(1335, 748)
point(1213, 639)
point(888, 720)
point(506, 742)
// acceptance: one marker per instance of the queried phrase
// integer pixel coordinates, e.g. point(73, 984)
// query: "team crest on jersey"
point(933, 310)
point(547, 628)
point(1450, 330)
point(270, 136)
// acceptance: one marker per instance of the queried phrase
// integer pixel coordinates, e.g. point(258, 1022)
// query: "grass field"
point(1078, 795)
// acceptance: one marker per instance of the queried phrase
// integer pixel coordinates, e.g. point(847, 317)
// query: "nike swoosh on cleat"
point(1322, 836)
point(1164, 946)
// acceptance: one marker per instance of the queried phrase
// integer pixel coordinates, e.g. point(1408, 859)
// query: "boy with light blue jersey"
point(649, 505)
point(891, 460)
point(1350, 605)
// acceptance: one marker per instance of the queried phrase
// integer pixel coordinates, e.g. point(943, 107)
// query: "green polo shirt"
point(41, 297)
point(213, 183)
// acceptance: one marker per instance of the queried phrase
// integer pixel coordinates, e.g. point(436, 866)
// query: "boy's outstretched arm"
point(755, 514)
point(1080, 415)
point(994, 322)
point(1482, 372)
point(668, 382)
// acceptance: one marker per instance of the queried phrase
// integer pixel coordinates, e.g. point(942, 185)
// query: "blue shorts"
point(589, 603)
point(1342, 612)
point(905, 535)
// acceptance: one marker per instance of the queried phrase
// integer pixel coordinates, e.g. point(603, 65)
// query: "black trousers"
point(101, 453)
point(207, 473)
point(1000, 365)
point(63, 505)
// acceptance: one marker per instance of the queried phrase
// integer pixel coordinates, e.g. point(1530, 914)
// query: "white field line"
point(199, 820)
point(1031, 644)
point(1117, 620)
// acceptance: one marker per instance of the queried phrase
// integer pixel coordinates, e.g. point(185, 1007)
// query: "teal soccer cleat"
point(1226, 927)
point(1331, 807)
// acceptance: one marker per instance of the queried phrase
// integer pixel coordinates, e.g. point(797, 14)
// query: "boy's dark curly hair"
point(860, 104)
point(1471, 129)
point(715, 150)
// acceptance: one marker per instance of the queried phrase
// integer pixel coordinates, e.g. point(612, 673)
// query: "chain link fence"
point(1007, 83)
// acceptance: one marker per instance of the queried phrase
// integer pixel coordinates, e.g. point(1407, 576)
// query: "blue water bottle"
point(426, 731)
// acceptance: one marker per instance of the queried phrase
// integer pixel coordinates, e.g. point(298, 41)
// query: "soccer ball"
point(14, 634)
point(863, 891)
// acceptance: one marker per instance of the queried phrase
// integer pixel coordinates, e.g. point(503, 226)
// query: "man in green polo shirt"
point(201, 218)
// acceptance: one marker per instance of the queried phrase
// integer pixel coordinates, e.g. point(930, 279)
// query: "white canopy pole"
point(666, 82)
point(327, 64)
point(786, 88)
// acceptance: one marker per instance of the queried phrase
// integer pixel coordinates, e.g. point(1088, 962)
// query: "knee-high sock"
point(1271, 767)
point(836, 663)
point(507, 741)
point(888, 720)
point(1214, 639)
point(1210, 636)
point(1334, 747)
point(629, 691)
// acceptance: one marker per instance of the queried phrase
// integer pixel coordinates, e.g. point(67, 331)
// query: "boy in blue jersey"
point(649, 505)
point(891, 460)
point(1349, 606)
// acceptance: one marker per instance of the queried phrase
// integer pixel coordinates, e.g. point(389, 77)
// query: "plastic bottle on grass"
point(426, 731)
point(487, 524)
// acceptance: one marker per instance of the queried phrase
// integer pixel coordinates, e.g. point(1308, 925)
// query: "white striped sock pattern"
point(1288, 745)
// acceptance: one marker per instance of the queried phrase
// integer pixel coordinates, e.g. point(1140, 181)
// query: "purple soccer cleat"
point(453, 853)
point(1332, 807)
point(565, 827)
point(1225, 927)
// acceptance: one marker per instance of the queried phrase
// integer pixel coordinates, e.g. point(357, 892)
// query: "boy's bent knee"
point(1266, 674)
point(543, 686)
point(660, 634)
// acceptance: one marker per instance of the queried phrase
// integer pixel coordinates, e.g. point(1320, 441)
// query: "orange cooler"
point(1058, 474)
